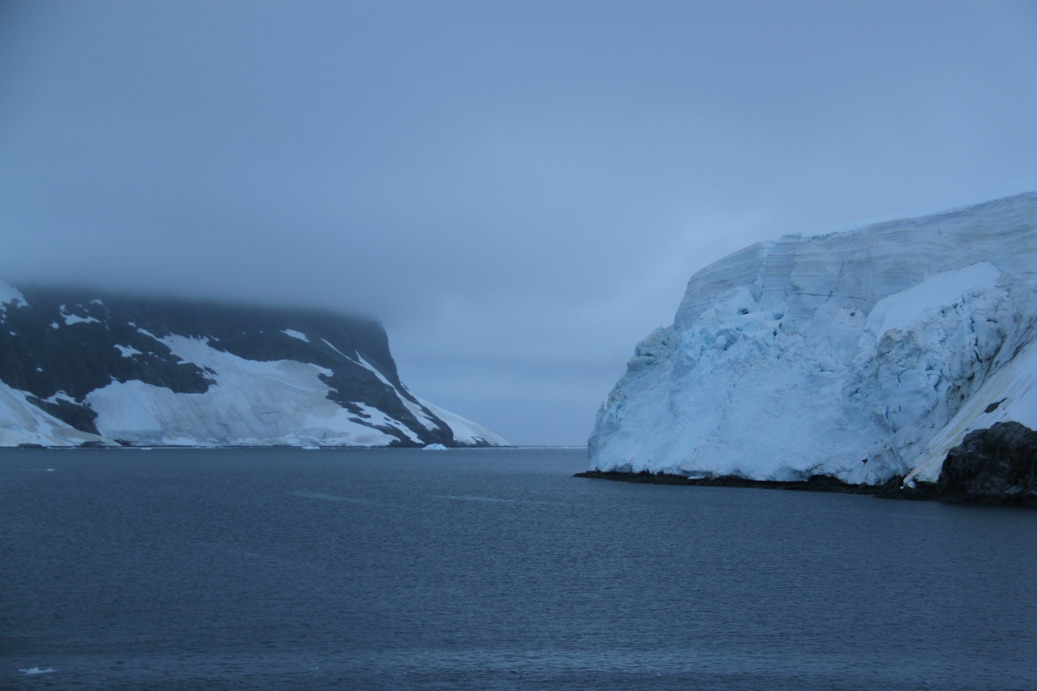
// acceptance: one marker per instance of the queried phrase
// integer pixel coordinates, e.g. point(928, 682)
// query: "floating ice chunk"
point(434, 447)
point(37, 670)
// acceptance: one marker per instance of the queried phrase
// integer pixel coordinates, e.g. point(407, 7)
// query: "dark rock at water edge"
point(997, 465)
point(815, 483)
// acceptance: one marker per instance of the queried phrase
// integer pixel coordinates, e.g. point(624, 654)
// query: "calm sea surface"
point(390, 569)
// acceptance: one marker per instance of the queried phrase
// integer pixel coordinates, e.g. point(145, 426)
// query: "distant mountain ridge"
point(79, 366)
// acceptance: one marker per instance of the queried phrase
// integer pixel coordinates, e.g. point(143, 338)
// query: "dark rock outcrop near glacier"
point(997, 465)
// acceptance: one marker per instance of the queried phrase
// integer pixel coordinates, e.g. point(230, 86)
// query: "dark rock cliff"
point(65, 343)
point(997, 465)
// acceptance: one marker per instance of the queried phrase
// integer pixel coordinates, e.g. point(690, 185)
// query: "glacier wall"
point(860, 355)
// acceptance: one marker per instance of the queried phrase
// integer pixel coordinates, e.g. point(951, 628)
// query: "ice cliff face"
point(78, 368)
point(860, 355)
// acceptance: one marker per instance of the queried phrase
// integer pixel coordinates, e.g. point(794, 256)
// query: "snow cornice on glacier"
point(846, 354)
point(811, 270)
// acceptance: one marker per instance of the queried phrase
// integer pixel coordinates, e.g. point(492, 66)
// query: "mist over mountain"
point(82, 367)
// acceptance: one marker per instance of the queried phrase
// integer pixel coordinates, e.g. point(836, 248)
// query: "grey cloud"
point(530, 180)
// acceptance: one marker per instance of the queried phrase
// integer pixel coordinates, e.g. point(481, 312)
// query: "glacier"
point(78, 370)
point(864, 355)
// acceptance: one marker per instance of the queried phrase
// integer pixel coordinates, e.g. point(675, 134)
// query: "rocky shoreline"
point(993, 466)
point(816, 483)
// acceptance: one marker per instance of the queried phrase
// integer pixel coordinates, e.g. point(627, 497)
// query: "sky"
point(518, 190)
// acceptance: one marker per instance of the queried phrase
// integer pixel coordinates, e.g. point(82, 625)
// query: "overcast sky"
point(519, 190)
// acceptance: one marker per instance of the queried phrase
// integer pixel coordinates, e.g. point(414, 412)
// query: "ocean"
point(490, 569)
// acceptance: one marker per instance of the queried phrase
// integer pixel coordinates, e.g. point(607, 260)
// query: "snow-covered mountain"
point(862, 356)
point(77, 367)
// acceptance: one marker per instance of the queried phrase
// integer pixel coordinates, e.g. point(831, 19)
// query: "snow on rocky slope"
point(77, 368)
point(860, 355)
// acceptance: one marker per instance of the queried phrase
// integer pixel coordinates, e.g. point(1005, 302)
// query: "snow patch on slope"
point(71, 319)
point(60, 396)
point(374, 417)
point(245, 402)
point(23, 423)
point(419, 414)
point(464, 430)
point(10, 297)
point(328, 343)
point(907, 308)
point(250, 403)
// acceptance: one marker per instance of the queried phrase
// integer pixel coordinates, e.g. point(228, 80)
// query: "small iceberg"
point(37, 670)
point(310, 447)
point(434, 447)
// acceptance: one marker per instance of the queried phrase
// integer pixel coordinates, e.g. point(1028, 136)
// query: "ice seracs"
point(861, 355)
